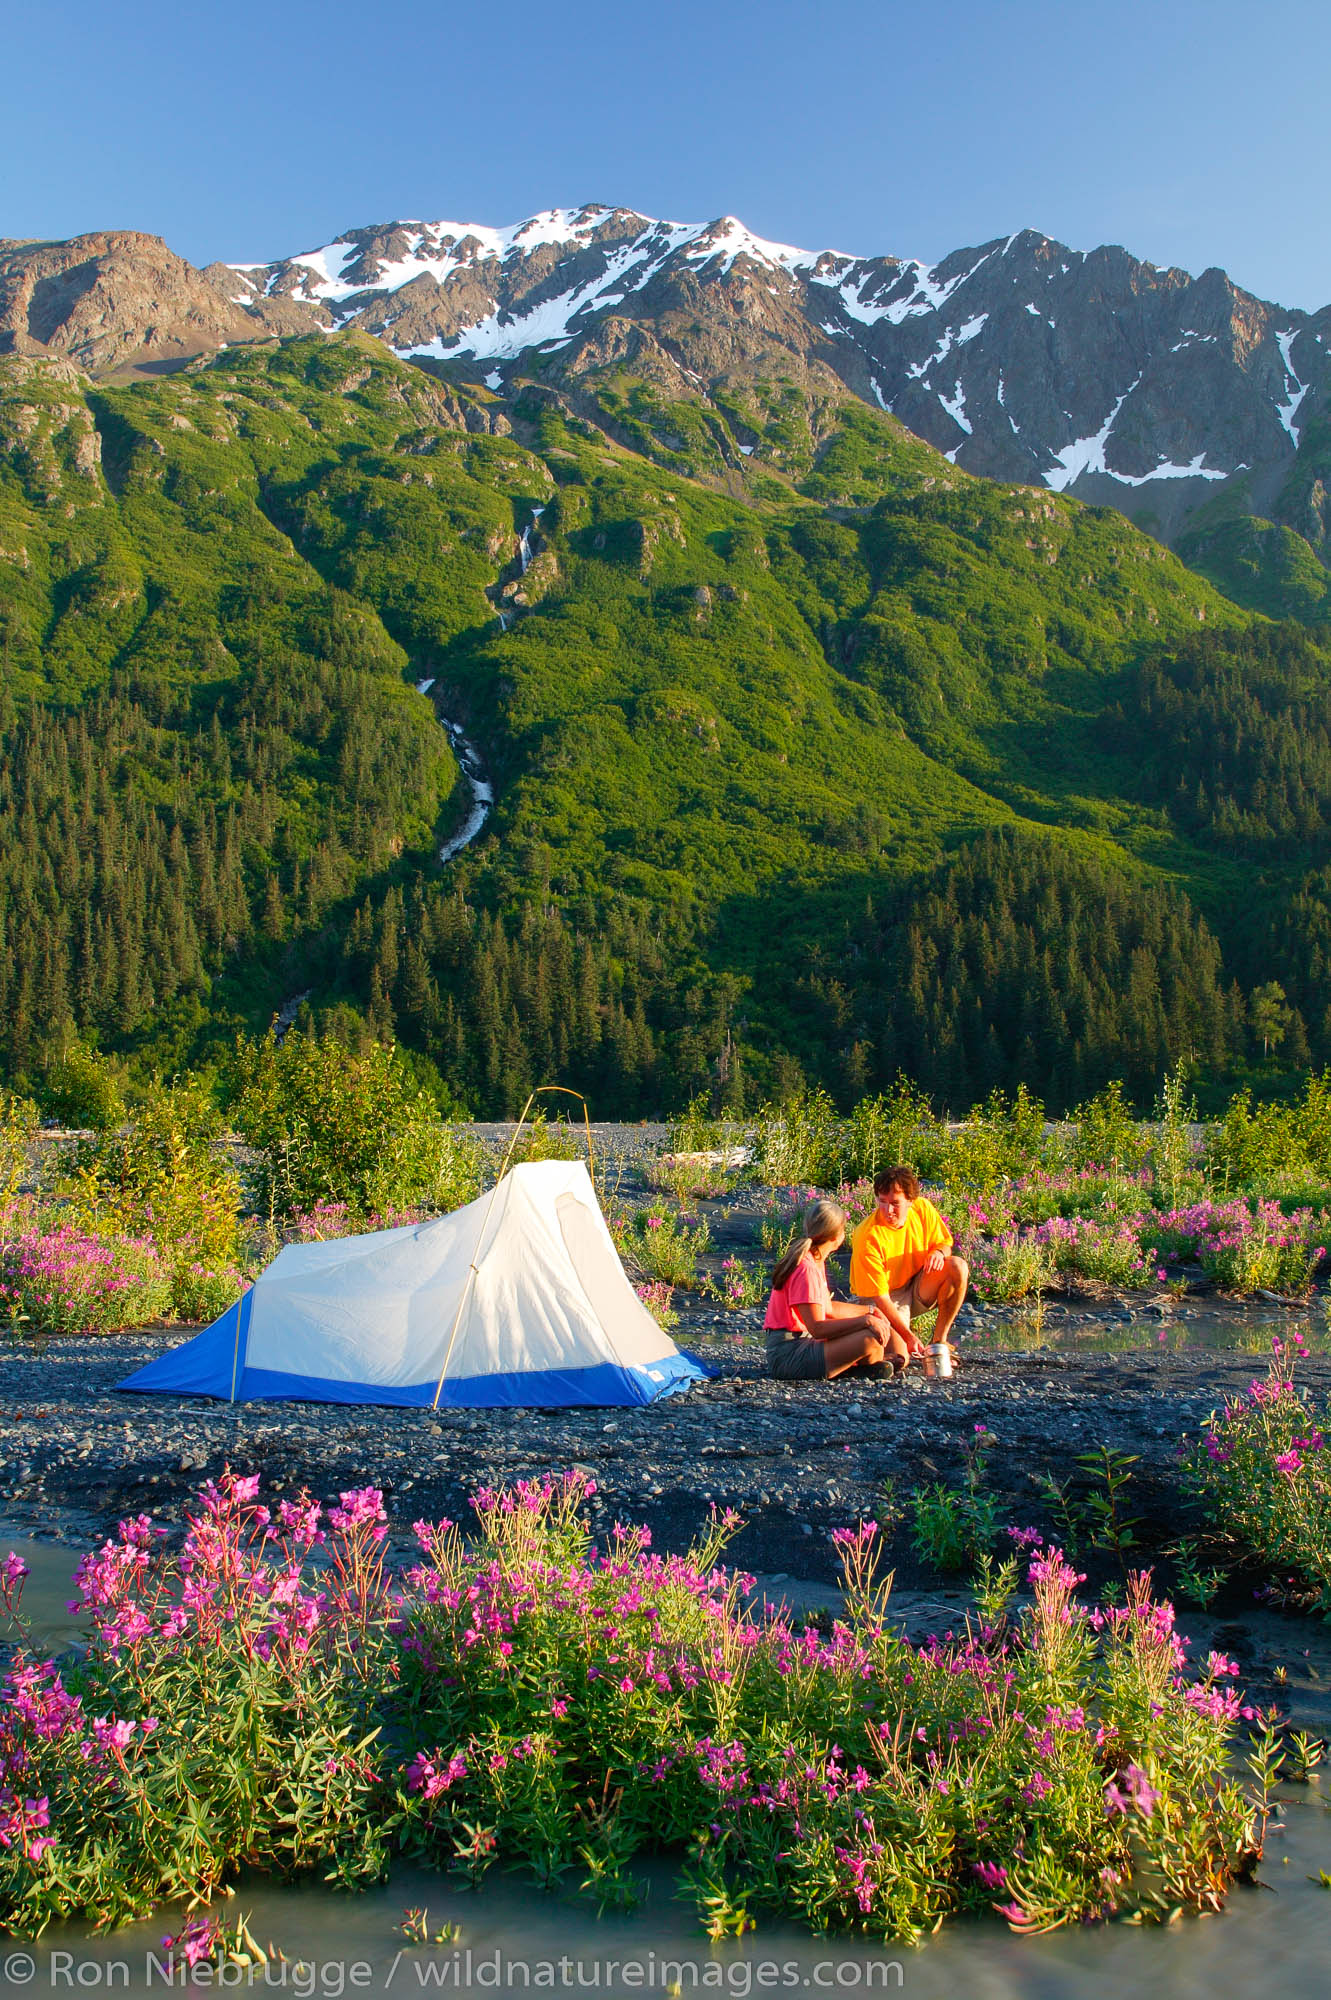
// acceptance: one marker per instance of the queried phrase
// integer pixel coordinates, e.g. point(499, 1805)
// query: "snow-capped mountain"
point(1086, 372)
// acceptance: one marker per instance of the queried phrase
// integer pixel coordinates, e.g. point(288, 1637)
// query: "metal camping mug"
point(941, 1356)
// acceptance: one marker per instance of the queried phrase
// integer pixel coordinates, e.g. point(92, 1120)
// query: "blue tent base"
point(213, 1364)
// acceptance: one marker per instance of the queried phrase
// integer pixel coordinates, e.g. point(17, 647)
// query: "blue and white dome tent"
point(519, 1300)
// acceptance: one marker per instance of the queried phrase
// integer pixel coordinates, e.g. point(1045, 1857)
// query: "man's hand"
point(934, 1261)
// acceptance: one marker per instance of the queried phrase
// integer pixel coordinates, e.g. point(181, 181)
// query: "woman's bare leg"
point(848, 1349)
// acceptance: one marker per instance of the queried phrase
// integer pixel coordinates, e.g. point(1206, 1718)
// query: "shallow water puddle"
point(513, 1939)
point(1215, 1327)
point(47, 1589)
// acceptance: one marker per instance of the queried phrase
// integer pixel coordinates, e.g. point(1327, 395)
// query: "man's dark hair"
point(896, 1177)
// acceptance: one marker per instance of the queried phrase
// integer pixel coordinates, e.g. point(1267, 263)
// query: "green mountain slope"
point(749, 735)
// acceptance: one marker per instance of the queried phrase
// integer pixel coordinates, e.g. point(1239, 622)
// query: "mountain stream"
point(482, 791)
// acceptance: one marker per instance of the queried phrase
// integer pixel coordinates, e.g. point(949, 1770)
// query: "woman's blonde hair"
point(822, 1219)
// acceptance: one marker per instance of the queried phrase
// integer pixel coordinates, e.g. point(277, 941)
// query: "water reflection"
point(1213, 1326)
point(1270, 1942)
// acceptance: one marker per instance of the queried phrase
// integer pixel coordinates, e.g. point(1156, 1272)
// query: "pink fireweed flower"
point(1131, 1792)
point(113, 1733)
point(1050, 1568)
point(431, 1779)
point(197, 1941)
point(363, 1504)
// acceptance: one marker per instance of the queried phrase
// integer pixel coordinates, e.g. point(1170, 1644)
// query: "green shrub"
point(1015, 1265)
point(698, 1130)
point(781, 1215)
point(799, 1140)
point(1175, 1158)
point(82, 1088)
point(545, 1138)
point(342, 1127)
point(162, 1178)
point(199, 1296)
point(688, 1179)
point(953, 1527)
point(1270, 1144)
point(1259, 1248)
point(1105, 1133)
point(739, 1286)
point(657, 1296)
point(1000, 1140)
point(881, 1131)
point(18, 1131)
point(666, 1246)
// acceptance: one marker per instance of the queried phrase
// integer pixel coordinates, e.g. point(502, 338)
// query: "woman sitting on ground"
point(809, 1335)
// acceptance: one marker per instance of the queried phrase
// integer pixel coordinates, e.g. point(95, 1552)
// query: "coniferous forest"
point(816, 775)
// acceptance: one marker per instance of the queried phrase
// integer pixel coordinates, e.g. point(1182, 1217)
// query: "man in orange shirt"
point(901, 1258)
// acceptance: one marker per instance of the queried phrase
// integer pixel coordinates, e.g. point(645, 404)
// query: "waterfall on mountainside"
point(524, 540)
point(482, 791)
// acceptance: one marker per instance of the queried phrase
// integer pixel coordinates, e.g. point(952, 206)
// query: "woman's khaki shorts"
point(798, 1359)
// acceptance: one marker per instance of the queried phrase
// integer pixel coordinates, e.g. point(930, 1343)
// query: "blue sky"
point(1193, 131)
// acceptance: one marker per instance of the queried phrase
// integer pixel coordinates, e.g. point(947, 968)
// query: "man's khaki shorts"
point(906, 1299)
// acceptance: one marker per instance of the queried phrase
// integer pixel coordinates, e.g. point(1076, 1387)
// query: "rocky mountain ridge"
point(1092, 373)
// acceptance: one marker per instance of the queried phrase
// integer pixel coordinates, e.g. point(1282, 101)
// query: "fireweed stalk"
point(577, 1707)
point(1262, 1472)
point(226, 1713)
point(562, 1708)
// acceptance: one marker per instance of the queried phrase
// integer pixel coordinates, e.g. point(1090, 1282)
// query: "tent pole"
point(541, 1090)
point(235, 1358)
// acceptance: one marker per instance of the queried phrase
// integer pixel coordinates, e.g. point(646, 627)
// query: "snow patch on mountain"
point(436, 250)
point(729, 239)
point(1288, 410)
point(502, 335)
point(1087, 455)
point(955, 405)
point(923, 291)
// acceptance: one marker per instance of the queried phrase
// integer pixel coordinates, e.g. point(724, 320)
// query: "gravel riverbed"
point(795, 1460)
point(1137, 1374)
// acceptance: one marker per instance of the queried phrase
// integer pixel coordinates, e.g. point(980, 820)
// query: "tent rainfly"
point(518, 1300)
